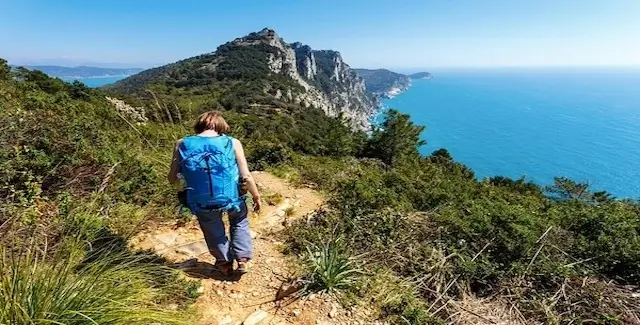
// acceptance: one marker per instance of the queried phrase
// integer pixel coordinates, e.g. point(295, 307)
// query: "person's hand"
point(257, 202)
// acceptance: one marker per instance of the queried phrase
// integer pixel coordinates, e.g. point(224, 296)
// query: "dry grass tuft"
point(475, 311)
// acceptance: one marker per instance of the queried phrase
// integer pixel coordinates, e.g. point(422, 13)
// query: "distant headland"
point(386, 83)
point(82, 72)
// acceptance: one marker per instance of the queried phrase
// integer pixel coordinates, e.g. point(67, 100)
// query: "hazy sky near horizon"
point(399, 34)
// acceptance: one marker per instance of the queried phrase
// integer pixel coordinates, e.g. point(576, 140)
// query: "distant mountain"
point(386, 83)
point(262, 70)
point(421, 75)
point(82, 71)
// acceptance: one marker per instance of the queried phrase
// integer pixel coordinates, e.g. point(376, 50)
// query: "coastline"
point(375, 118)
point(395, 91)
point(97, 77)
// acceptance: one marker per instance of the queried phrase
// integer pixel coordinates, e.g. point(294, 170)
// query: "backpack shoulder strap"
point(229, 140)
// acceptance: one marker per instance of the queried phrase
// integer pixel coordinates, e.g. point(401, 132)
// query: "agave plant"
point(330, 269)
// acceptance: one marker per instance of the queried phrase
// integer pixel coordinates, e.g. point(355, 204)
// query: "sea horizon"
point(434, 70)
point(534, 123)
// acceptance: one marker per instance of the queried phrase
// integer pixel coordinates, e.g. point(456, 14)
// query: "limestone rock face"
point(306, 61)
point(328, 82)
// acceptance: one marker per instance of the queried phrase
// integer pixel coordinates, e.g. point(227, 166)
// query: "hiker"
point(217, 177)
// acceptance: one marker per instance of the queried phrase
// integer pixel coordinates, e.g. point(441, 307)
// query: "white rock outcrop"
point(327, 81)
point(137, 114)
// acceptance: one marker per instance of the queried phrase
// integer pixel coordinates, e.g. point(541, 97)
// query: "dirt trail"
point(230, 301)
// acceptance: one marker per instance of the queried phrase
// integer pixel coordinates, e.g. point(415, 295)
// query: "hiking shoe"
point(223, 268)
point(243, 267)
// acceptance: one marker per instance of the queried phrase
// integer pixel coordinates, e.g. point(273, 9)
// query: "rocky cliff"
point(262, 69)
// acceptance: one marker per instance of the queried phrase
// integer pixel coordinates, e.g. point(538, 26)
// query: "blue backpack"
point(209, 167)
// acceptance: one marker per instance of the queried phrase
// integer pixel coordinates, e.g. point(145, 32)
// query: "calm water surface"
point(582, 124)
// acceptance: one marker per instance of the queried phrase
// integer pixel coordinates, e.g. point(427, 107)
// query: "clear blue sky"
point(391, 33)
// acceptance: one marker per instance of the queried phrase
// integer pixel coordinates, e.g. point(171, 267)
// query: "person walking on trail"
point(217, 176)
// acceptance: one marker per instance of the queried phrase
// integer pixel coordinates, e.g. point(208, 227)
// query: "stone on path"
point(255, 318)
point(288, 288)
point(334, 312)
point(227, 320)
point(167, 239)
point(159, 248)
point(193, 249)
point(277, 321)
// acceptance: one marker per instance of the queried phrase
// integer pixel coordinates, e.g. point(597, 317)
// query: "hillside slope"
point(261, 69)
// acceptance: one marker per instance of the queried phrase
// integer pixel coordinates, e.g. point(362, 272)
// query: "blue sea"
point(539, 123)
point(96, 81)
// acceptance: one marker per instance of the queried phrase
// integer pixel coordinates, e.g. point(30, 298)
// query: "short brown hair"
point(211, 121)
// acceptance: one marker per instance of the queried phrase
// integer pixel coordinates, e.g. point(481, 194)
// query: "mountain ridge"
point(261, 69)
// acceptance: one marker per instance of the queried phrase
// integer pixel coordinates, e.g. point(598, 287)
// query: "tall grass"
point(273, 198)
point(73, 287)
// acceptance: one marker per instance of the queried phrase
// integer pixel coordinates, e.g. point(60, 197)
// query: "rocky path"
point(251, 298)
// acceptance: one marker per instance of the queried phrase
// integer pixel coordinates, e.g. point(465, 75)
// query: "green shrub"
point(605, 237)
point(267, 154)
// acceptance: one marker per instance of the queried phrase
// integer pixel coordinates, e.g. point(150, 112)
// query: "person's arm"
point(175, 165)
point(244, 173)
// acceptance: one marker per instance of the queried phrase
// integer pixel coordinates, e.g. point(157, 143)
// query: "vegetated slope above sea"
point(583, 124)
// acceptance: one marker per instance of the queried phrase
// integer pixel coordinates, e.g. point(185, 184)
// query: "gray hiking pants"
point(214, 234)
